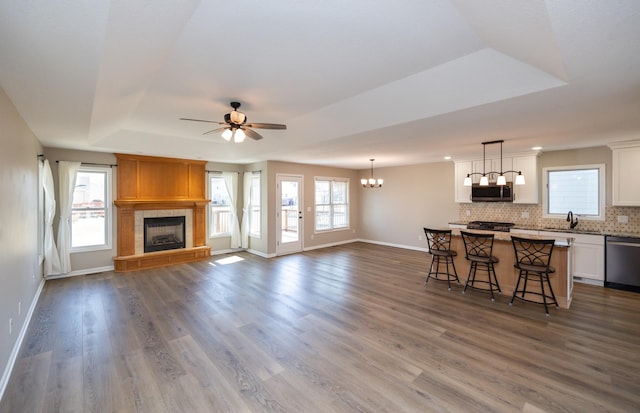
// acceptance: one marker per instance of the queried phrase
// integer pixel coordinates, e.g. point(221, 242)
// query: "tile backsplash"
point(531, 216)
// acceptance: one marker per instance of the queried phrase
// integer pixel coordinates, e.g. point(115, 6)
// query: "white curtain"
point(231, 182)
point(246, 190)
point(51, 258)
point(67, 172)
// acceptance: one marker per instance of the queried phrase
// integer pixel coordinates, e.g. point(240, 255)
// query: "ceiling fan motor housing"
point(235, 117)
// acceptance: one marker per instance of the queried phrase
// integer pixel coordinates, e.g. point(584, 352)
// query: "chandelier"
point(484, 179)
point(371, 182)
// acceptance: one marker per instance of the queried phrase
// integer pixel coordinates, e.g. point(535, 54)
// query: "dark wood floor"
point(344, 329)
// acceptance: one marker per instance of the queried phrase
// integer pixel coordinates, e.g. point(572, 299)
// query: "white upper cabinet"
point(492, 165)
point(462, 193)
point(626, 169)
point(477, 168)
point(524, 194)
point(527, 193)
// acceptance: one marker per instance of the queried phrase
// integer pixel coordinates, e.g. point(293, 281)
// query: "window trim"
point(331, 204)
point(602, 191)
point(108, 213)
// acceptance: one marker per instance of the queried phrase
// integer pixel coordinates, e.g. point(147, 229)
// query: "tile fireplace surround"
point(159, 187)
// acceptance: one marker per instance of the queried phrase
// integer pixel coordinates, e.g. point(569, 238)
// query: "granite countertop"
point(567, 230)
point(506, 236)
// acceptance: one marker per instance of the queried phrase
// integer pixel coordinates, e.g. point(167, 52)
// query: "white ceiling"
point(404, 82)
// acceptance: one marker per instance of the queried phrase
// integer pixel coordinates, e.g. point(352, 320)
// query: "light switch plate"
point(623, 219)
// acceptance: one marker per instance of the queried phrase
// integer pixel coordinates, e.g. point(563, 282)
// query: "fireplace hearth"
point(164, 233)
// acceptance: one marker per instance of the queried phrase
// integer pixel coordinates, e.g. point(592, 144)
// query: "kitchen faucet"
point(570, 220)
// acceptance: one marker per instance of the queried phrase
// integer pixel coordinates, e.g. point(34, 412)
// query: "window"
point(90, 213)
point(221, 212)
point(254, 207)
point(579, 189)
point(332, 207)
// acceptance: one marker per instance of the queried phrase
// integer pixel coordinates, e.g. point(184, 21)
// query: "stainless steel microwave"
point(492, 193)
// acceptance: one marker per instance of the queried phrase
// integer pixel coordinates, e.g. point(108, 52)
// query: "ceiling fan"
point(236, 126)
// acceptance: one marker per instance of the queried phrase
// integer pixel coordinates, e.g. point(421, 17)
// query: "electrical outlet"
point(468, 213)
point(525, 214)
point(623, 219)
point(419, 237)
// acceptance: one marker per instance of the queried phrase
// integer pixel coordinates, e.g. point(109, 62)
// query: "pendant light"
point(371, 182)
point(484, 179)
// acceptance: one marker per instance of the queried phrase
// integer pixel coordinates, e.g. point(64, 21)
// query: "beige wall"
point(309, 172)
point(20, 271)
point(412, 197)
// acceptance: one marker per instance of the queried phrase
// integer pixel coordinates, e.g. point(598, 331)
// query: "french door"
point(289, 218)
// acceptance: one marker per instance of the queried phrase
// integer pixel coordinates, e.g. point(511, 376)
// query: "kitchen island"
point(507, 274)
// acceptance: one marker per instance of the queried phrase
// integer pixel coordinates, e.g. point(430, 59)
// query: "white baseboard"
point(390, 244)
point(599, 283)
point(331, 244)
point(82, 272)
point(16, 348)
point(260, 253)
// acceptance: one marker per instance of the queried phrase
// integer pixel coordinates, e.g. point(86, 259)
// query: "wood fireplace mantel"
point(154, 183)
point(151, 204)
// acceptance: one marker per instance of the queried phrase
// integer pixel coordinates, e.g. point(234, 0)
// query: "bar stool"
point(533, 258)
point(439, 241)
point(479, 250)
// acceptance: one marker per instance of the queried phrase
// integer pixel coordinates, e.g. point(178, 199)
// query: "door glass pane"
point(289, 216)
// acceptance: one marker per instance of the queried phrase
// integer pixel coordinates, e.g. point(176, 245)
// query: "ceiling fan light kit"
point(484, 179)
point(236, 126)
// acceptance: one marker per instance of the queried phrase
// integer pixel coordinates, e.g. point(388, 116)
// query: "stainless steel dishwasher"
point(622, 268)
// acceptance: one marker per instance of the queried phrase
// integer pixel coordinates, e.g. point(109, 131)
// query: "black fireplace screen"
point(164, 233)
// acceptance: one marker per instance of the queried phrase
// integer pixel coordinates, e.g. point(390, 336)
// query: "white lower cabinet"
point(587, 255)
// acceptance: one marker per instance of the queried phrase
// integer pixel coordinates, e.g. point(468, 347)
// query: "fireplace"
point(164, 233)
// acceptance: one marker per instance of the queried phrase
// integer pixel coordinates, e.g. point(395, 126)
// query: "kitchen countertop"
point(566, 230)
point(506, 236)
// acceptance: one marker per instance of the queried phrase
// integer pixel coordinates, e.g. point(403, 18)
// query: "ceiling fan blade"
point(252, 134)
point(202, 120)
point(266, 125)
point(214, 130)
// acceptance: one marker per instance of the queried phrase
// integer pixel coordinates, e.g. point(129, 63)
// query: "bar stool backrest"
point(477, 245)
point(438, 240)
point(533, 252)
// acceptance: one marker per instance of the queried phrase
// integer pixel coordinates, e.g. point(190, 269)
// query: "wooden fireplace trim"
point(154, 183)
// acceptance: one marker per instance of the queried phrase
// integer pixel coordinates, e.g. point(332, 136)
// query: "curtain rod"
point(96, 164)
